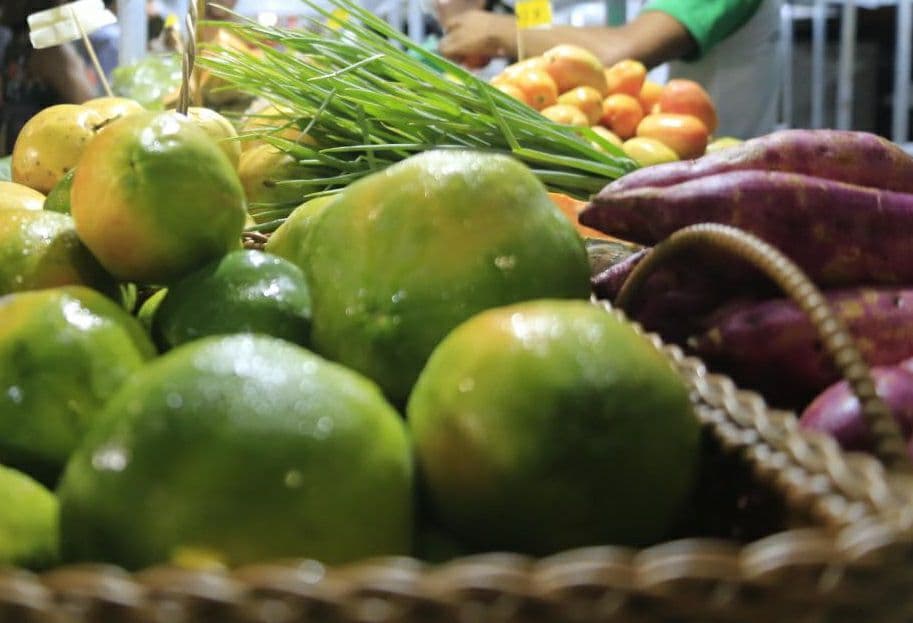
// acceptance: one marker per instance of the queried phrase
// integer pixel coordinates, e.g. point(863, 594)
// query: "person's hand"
point(475, 37)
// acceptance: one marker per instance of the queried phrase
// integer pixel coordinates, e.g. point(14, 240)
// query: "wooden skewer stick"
point(92, 55)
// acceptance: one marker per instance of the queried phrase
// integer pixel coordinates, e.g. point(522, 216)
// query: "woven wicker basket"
point(837, 546)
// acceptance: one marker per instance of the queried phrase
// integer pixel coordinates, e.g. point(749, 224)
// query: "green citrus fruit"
point(51, 143)
point(40, 249)
point(28, 522)
point(405, 255)
point(244, 292)
point(58, 200)
point(290, 239)
point(549, 425)
point(238, 449)
point(155, 198)
point(63, 353)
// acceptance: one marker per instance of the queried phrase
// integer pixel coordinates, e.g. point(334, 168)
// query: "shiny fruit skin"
point(572, 66)
point(684, 134)
point(566, 114)
point(154, 198)
point(587, 99)
point(19, 197)
point(51, 143)
point(538, 87)
point(687, 97)
point(648, 151)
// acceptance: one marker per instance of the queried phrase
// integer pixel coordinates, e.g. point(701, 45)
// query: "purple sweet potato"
point(678, 294)
point(773, 347)
point(840, 234)
point(844, 156)
point(837, 412)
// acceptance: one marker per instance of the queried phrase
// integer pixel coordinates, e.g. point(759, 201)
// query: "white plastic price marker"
point(70, 22)
point(531, 14)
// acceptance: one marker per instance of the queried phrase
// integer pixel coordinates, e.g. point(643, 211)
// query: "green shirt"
point(708, 21)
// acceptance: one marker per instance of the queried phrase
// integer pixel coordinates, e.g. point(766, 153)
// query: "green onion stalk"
point(369, 97)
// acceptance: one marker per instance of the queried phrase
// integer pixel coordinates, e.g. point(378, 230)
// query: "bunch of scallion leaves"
point(370, 97)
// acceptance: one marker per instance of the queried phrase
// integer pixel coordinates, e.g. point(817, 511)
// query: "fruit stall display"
point(379, 327)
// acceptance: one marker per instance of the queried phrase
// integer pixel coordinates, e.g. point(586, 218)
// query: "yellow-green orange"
point(290, 239)
point(51, 143)
point(240, 449)
point(28, 522)
point(63, 353)
point(549, 425)
point(19, 197)
point(40, 249)
point(244, 292)
point(219, 129)
point(111, 108)
point(155, 198)
point(405, 255)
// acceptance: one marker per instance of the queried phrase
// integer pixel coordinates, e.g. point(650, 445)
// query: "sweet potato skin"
point(840, 234)
point(836, 411)
point(846, 156)
point(773, 347)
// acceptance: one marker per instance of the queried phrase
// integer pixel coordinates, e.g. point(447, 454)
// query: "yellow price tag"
point(337, 18)
point(533, 13)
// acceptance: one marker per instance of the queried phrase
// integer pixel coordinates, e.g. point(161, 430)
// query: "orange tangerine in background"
point(621, 113)
point(572, 66)
point(514, 91)
point(510, 72)
point(587, 99)
point(687, 97)
point(566, 114)
point(538, 87)
point(649, 95)
point(684, 134)
point(626, 77)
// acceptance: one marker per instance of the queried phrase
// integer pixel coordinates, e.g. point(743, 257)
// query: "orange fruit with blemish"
point(649, 96)
point(621, 113)
point(686, 97)
point(538, 87)
point(565, 114)
point(587, 99)
point(683, 134)
point(626, 77)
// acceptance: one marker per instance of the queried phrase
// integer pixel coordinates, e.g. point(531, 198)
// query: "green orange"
point(63, 353)
point(245, 291)
point(290, 240)
point(29, 534)
point(403, 256)
point(549, 425)
point(40, 249)
point(154, 197)
point(238, 449)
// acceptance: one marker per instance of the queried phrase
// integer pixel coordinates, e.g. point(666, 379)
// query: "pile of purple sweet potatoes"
point(839, 204)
